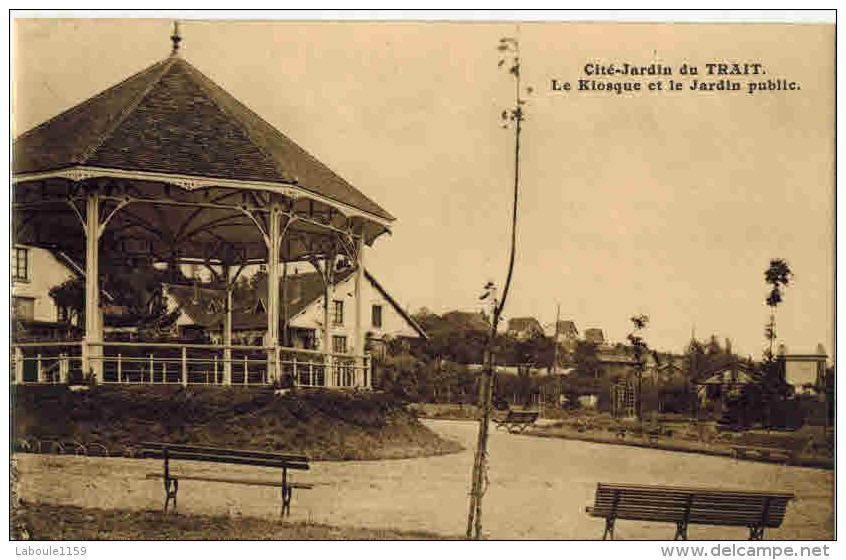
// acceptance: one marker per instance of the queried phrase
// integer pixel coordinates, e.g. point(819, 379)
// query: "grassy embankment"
point(325, 425)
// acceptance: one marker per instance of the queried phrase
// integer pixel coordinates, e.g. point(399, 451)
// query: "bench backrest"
point(521, 416)
point(223, 455)
point(694, 505)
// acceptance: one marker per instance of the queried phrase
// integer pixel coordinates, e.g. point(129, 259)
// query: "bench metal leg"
point(756, 532)
point(287, 491)
point(171, 494)
point(681, 531)
point(681, 526)
point(609, 528)
point(169, 482)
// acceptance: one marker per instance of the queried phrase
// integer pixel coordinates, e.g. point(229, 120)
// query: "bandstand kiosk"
point(168, 164)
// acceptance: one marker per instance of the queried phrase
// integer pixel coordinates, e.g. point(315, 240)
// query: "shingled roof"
point(594, 335)
point(205, 305)
point(524, 325)
point(170, 118)
point(567, 329)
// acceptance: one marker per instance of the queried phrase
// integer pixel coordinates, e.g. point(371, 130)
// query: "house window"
point(339, 344)
point(24, 308)
point(338, 318)
point(377, 316)
point(20, 264)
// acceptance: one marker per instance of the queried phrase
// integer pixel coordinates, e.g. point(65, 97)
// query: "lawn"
point(325, 425)
point(71, 523)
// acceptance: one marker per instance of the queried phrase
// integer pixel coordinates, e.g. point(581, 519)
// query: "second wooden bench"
point(683, 506)
point(517, 420)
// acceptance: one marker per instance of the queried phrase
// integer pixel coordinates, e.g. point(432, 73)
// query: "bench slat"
point(206, 457)
point(750, 513)
point(713, 519)
point(756, 513)
point(691, 490)
point(222, 451)
point(681, 496)
point(694, 506)
point(694, 503)
point(248, 481)
point(516, 421)
point(717, 520)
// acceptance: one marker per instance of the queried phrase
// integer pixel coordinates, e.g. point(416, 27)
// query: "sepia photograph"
point(428, 276)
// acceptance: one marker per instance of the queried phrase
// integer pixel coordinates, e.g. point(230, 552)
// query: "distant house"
point(566, 338)
point(203, 314)
point(594, 336)
point(566, 331)
point(618, 361)
point(804, 371)
point(524, 328)
point(725, 381)
point(384, 319)
point(34, 272)
point(668, 370)
point(614, 361)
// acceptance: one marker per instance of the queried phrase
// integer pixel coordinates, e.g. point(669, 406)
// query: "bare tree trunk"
point(480, 463)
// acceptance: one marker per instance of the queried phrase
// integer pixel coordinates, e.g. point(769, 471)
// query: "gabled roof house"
point(302, 296)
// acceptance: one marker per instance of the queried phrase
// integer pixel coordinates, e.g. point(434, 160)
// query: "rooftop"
point(172, 119)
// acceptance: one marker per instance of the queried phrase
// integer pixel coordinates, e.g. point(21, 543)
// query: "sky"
point(668, 203)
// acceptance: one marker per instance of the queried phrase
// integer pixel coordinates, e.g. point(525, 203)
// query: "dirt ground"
point(72, 523)
point(539, 488)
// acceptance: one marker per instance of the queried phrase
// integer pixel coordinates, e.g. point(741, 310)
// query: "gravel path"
point(539, 488)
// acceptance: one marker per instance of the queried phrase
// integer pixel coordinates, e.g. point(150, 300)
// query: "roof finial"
point(175, 38)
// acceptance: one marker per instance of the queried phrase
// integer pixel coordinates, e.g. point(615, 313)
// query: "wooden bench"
point(517, 420)
point(766, 453)
point(170, 451)
point(653, 435)
point(683, 506)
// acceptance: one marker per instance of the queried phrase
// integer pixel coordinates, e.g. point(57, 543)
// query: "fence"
point(168, 363)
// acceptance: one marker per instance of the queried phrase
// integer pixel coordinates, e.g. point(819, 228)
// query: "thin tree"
point(777, 275)
point(510, 51)
point(640, 349)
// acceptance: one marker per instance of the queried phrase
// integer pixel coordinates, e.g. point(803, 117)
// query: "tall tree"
point(778, 276)
point(137, 287)
point(510, 50)
point(640, 349)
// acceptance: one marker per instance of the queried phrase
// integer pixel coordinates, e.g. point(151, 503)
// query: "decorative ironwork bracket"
point(121, 204)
